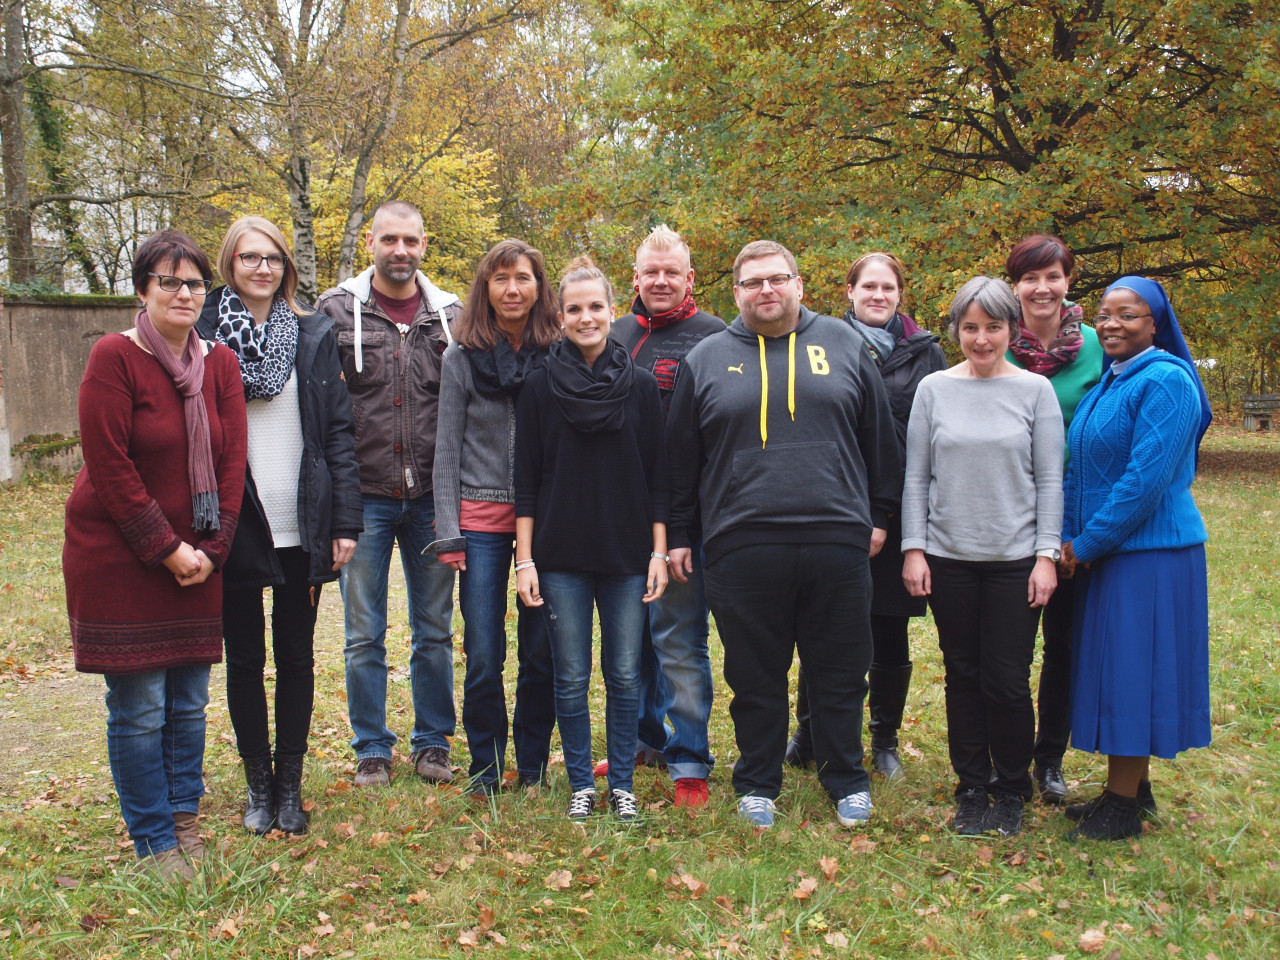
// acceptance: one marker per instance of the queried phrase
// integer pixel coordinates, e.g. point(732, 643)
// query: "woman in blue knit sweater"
point(1140, 677)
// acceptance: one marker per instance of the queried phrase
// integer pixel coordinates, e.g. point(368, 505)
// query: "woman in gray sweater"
point(507, 325)
point(981, 529)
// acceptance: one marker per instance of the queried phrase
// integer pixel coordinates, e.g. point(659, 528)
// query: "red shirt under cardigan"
point(130, 508)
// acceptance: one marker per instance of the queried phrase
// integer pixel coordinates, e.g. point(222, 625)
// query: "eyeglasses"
point(757, 283)
point(253, 260)
point(1122, 317)
point(169, 284)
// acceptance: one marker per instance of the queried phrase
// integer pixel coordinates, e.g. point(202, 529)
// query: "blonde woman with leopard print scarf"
point(302, 509)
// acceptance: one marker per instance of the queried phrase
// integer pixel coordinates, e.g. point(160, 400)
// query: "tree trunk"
point(13, 149)
point(304, 233)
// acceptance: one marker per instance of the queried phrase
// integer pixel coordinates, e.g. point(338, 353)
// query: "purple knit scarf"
point(188, 376)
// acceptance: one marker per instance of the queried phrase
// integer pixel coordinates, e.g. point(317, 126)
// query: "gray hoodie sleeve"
point(446, 473)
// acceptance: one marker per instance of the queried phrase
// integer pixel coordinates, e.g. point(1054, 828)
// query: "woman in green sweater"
point(1053, 340)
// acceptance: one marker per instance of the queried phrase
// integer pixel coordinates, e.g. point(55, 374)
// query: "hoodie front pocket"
point(789, 482)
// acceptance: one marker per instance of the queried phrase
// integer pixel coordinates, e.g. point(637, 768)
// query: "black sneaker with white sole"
point(582, 804)
point(623, 804)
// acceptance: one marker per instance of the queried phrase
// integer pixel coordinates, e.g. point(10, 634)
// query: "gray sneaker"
point(373, 772)
point(432, 764)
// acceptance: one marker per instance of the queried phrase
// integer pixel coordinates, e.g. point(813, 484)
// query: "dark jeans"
point(293, 625)
point(1055, 676)
point(890, 648)
point(482, 598)
point(988, 635)
point(770, 601)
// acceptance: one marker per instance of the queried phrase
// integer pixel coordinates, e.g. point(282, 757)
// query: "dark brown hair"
point(1037, 252)
point(477, 327)
point(888, 259)
point(166, 247)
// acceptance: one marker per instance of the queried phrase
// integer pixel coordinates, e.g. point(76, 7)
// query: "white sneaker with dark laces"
point(757, 811)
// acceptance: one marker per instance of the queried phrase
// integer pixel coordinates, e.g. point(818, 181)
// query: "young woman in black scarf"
point(507, 325)
point(591, 512)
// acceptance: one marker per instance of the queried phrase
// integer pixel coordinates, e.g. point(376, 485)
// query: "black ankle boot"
point(886, 700)
point(260, 808)
point(290, 817)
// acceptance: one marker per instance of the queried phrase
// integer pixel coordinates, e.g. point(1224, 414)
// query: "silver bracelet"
point(660, 556)
point(524, 565)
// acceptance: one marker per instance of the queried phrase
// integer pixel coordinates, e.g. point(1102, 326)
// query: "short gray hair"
point(993, 295)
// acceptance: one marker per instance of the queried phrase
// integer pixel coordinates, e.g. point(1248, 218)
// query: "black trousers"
point(770, 601)
point(293, 625)
point(890, 647)
point(1055, 676)
point(987, 633)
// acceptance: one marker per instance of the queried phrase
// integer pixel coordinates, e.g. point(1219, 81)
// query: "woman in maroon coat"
point(151, 517)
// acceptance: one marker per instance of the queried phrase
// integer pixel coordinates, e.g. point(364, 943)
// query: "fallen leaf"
point(837, 940)
point(486, 918)
point(69, 882)
point(227, 929)
point(558, 880)
point(1092, 940)
point(805, 888)
point(985, 854)
point(1031, 886)
point(420, 896)
point(862, 844)
point(693, 885)
point(469, 938)
point(380, 839)
point(344, 830)
point(926, 911)
point(496, 937)
point(521, 859)
point(829, 866)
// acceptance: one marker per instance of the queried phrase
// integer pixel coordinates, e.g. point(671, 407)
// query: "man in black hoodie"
point(781, 434)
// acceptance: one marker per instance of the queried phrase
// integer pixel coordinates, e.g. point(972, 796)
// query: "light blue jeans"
point(155, 742)
point(364, 596)
point(675, 678)
point(569, 599)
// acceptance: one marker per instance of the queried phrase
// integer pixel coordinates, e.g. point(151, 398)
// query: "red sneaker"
point(691, 792)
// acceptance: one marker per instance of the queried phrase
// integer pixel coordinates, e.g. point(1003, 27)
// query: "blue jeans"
point(568, 600)
point(482, 596)
point(364, 596)
point(675, 678)
point(155, 741)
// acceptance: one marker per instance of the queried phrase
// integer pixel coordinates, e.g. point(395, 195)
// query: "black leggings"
point(293, 624)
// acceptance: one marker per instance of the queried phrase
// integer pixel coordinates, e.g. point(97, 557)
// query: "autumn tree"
point(1145, 132)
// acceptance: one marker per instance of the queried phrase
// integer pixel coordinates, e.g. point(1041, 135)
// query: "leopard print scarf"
point(266, 352)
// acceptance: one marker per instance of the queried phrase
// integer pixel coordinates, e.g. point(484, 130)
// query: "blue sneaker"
point(757, 811)
point(854, 809)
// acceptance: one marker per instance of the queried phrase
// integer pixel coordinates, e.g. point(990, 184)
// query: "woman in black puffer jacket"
point(905, 355)
point(302, 509)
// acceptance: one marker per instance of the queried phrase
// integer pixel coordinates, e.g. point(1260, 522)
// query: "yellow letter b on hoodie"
point(818, 360)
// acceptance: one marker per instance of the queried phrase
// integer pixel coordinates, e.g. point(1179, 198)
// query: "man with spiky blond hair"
point(675, 669)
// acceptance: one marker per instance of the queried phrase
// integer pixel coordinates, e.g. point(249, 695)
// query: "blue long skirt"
point(1140, 658)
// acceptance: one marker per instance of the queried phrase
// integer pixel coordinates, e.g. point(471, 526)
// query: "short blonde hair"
point(663, 238)
point(227, 252)
point(584, 268)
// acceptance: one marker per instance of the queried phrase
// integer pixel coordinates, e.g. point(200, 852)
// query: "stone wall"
point(44, 346)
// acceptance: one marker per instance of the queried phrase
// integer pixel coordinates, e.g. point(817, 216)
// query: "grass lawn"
point(416, 871)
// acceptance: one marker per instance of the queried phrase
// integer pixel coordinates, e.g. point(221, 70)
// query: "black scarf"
point(591, 398)
point(502, 371)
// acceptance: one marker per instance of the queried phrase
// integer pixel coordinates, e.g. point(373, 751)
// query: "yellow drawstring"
point(764, 386)
point(791, 375)
point(764, 395)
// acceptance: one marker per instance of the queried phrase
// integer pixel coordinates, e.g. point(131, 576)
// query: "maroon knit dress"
point(131, 507)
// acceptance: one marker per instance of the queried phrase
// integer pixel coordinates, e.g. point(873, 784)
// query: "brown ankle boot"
point(187, 829)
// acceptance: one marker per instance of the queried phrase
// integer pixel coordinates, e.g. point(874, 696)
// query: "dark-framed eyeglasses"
point(757, 283)
point(252, 261)
point(198, 287)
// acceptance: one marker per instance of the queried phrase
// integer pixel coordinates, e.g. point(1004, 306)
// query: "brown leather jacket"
point(395, 392)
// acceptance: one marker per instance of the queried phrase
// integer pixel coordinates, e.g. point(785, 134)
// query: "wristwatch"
point(1054, 555)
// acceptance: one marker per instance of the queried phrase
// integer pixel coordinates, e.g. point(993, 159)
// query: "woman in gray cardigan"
point(502, 335)
point(981, 529)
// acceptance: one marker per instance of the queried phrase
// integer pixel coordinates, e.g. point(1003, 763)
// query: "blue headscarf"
point(1168, 337)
